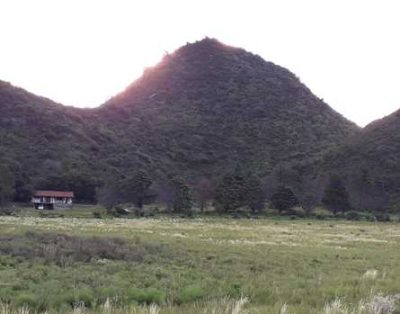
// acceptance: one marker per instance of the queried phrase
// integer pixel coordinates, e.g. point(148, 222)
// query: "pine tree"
point(255, 196)
point(6, 186)
point(283, 199)
point(135, 188)
point(230, 193)
point(336, 197)
point(204, 191)
point(239, 189)
point(182, 197)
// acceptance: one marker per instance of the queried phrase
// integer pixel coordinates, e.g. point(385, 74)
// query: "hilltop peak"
point(205, 48)
point(206, 43)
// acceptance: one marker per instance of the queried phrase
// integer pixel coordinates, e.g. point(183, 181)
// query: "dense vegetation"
point(370, 165)
point(207, 122)
point(209, 107)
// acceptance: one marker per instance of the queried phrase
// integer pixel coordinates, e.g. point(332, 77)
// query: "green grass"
point(189, 265)
point(77, 211)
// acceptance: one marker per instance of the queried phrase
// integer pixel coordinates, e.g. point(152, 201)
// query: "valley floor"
point(207, 265)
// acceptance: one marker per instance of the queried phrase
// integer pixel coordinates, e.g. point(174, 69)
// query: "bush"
point(32, 302)
point(80, 298)
point(297, 212)
point(26, 300)
point(64, 250)
point(368, 217)
point(321, 214)
point(120, 210)
point(353, 215)
point(189, 294)
point(96, 215)
point(236, 291)
point(146, 296)
point(383, 217)
point(103, 294)
point(7, 211)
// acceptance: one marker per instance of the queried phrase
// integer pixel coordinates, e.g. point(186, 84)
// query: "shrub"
point(321, 213)
point(80, 298)
point(146, 296)
point(235, 291)
point(37, 303)
point(85, 298)
point(120, 210)
point(297, 212)
point(190, 294)
point(321, 216)
point(26, 300)
point(105, 293)
point(353, 215)
point(64, 250)
point(97, 215)
point(383, 217)
point(368, 217)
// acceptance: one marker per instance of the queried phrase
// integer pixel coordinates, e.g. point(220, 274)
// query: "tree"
point(308, 202)
point(182, 197)
point(336, 197)
point(6, 186)
point(204, 191)
point(23, 191)
point(367, 192)
point(108, 195)
point(283, 199)
point(135, 188)
point(239, 189)
point(255, 195)
point(165, 193)
point(230, 193)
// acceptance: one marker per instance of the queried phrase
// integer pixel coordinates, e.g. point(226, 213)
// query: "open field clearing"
point(208, 265)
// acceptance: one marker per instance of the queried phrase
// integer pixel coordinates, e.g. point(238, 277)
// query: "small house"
point(52, 199)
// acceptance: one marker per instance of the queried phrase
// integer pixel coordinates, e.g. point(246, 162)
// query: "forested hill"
point(208, 107)
point(370, 163)
point(41, 140)
point(34, 130)
point(203, 110)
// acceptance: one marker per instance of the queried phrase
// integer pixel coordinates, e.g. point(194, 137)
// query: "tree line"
point(238, 190)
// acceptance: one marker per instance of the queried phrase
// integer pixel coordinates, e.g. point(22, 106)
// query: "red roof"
point(54, 194)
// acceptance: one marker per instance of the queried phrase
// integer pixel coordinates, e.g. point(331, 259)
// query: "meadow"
point(201, 265)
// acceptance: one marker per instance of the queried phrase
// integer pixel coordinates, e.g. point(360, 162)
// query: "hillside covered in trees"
point(370, 164)
point(207, 117)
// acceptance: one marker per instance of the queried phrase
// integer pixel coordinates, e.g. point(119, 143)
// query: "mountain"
point(33, 126)
point(40, 139)
point(209, 107)
point(370, 163)
point(203, 110)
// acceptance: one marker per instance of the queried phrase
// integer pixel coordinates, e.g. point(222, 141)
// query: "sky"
point(82, 52)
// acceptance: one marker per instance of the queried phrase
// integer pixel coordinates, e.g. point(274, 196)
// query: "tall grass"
point(222, 306)
point(378, 304)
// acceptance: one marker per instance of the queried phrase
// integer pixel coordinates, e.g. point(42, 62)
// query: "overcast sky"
point(82, 52)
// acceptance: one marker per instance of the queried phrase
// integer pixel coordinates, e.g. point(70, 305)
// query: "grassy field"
point(202, 265)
